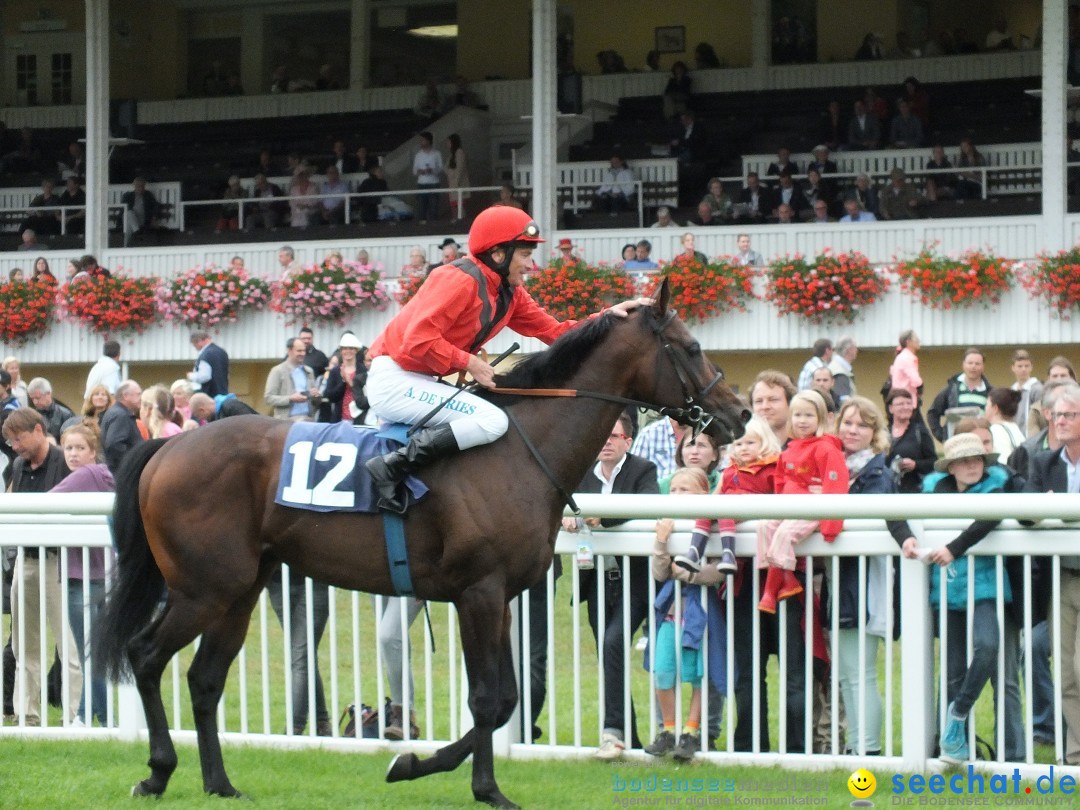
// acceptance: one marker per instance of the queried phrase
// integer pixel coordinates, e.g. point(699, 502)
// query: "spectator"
point(769, 395)
point(1001, 407)
point(861, 429)
point(705, 57)
point(822, 162)
point(89, 265)
point(904, 48)
point(457, 176)
point(47, 222)
point(904, 371)
point(969, 184)
point(967, 467)
point(508, 196)
point(16, 276)
point(658, 443)
point(450, 251)
point(81, 447)
point(106, 371)
point(119, 432)
point(29, 241)
point(855, 213)
point(95, 403)
point(642, 258)
point(206, 409)
point(266, 164)
point(74, 198)
point(42, 274)
point(705, 217)
point(688, 145)
point(719, 202)
point(783, 163)
point(286, 257)
point(343, 161)
point(418, 262)
point(158, 413)
point(621, 472)
point(699, 451)
point(629, 252)
point(326, 79)
point(875, 105)
point(815, 190)
point(430, 103)
point(1059, 368)
point(866, 194)
point(906, 130)
point(1029, 387)
point(918, 100)
point(142, 211)
point(821, 213)
point(181, 391)
point(72, 164)
point(1052, 470)
point(663, 219)
point(840, 365)
point(229, 218)
point(785, 214)
point(685, 643)
point(745, 256)
point(939, 186)
point(267, 211)
point(872, 48)
point(755, 201)
point(18, 387)
point(833, 127)
point(8, 405)
point(39, 467)
point(900, 199)
point(566, 253)
point(616, 192)
point(345, 380)
point(821, 357)
point(290, 386)
point(999, 38)
point(864, 129)
point(463, 96)
point(53, 412)
point(211, 372)
point(963, 395)
point(911, 451)
point(677, 91)
point(787, 193)
point(333, 194)
point(304, 204)
point(652, 62)
point(373, 184)
point(610, 62)
point(427, 168)
point(279, 80)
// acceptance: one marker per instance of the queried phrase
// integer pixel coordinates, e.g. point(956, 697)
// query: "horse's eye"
point(694, 349)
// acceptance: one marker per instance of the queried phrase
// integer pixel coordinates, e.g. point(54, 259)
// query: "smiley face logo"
point(862, 784)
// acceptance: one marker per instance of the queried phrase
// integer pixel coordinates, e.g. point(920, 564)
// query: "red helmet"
point(501, 224)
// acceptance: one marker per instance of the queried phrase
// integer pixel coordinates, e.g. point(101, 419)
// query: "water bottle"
point(584, 554)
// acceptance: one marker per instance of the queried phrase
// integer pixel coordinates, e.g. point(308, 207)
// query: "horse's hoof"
point(228, 792)
point(496, 799)
point(402, 768)
point(144, 789)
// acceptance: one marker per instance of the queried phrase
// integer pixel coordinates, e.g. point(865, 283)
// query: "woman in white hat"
point(968, 468)
point(345, 379)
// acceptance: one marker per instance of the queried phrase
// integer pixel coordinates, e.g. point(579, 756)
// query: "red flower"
point(944, 283)
point(831, 287)
point(111, 304)
point(1056, 281)
point(25, 310)
point(700, 291)
point(574, 290)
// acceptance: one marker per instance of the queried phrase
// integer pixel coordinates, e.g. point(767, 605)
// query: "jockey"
point(459, 308)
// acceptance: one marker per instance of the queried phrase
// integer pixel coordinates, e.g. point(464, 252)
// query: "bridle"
point(692, 413)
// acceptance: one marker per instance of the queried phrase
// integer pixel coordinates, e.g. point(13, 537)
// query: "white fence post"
point(916, 665)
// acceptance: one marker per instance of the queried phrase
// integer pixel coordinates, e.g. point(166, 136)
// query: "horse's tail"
point(138, 584)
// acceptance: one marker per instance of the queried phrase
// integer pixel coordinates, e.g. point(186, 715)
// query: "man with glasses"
point(1059, 471)
point(617, 471)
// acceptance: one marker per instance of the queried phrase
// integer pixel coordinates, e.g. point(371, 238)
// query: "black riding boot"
point(390, 470)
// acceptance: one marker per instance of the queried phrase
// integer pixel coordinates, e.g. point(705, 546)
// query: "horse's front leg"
point(485, 637)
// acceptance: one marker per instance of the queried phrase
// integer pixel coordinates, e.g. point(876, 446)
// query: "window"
point(26, 79)
point(61, 78)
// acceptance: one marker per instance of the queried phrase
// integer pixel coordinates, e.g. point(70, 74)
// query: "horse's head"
point(684, 380)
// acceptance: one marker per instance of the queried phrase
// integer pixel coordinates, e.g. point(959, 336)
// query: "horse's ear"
point(662, 296)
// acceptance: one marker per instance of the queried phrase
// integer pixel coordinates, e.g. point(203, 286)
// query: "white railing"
point(257, 704)
point(168, 194)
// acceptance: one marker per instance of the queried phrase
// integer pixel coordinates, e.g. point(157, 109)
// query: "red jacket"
point(433, 332)
point(814, 461)
point(756, 478)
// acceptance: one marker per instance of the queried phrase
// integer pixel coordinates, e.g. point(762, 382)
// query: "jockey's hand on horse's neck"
point(624, 308)
point(481, 371)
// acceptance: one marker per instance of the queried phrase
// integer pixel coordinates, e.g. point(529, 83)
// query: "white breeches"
point(397, 395)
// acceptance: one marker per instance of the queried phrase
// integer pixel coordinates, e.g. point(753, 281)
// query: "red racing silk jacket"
point(433, 333)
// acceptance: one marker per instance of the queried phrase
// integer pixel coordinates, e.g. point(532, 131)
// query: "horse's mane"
point(553, 367)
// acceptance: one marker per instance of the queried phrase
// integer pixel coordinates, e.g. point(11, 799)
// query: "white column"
point(360, 45)
point(916, 661)
point(761, 41)
point(97, 127)
point(1055, 34)
point(545, 114)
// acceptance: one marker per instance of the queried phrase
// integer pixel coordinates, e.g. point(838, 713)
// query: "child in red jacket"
point(811, 463)
point(752, 471)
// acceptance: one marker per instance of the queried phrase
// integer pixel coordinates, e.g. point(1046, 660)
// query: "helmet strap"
point(500, 267)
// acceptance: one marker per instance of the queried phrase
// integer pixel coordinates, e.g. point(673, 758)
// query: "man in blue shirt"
point(855, 213)
point(642, 259)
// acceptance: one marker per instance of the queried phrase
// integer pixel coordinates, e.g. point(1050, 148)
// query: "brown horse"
point(195, 519)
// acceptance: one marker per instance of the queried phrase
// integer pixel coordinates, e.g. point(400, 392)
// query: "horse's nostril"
point(745, 415)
